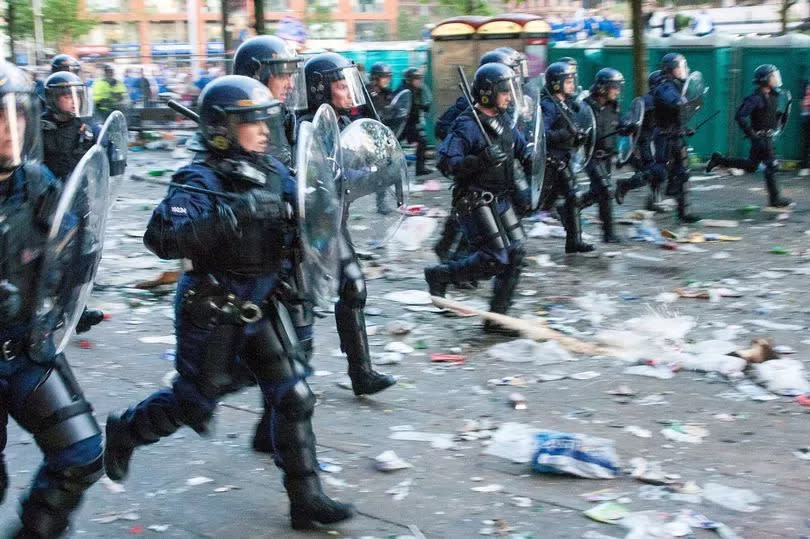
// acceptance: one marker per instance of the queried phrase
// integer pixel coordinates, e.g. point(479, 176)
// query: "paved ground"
point(245, 498)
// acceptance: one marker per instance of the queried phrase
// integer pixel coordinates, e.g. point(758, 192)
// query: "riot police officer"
point(414, 128)
point(643, 160)
point(563, 137)
point(332, 79)
point(482, 168)
point(671, 149)
point(759, 117)
point(603, 100)
point(381, 97)
point(228, 315)
point(269, 60)
point(65, 62)
point(39, 392)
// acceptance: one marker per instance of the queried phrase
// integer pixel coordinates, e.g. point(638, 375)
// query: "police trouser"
point(643, 161)
point(562, 184)
point(452, 244)
point(413, 133)
point(761, 151)
point(214, 348)
point(493, 230)
point(599, 171)
point(672, 163)
point(349, 309)
point(47, 401)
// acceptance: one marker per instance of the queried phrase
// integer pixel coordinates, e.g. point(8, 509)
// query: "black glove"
point(493, 155)
point(10, 302)
point(89, 318)
point(258, 204)
point(580, 137)
point(626, 130)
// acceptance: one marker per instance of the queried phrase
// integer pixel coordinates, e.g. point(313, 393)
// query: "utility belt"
point(765, 133)
point(473, 198)
point(210, 304)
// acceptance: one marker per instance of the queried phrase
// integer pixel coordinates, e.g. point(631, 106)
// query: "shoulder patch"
point(179, 210)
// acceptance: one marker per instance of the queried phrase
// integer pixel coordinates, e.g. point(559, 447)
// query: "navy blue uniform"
point(560, 147)
point(38, 390)
point(758, 116)
point(445, 122)
point(414, 131)
point(64, 142)
point(483, 200)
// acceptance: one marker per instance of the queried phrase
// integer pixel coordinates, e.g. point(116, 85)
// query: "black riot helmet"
point(65, 62)
point(380, 70)
point(508, 57)
point(231, 100)
point(412, 73)
point(654, 79)
point(673, 62)
point(606, 79)
point(272, 62)
point(491, 80)
point(67, 96)
point(768, 75)
point(556, 75)
point(19, 119)
point(321, 71)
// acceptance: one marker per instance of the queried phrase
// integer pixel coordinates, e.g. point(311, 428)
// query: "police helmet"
point(490, 80)
point(66, 95)
point(672, 61)
point(229, 101)
point(606, 79)
point(322, 70)
point(380, 70)
point(556, 75)
point(654, 79)
point(262, 57)
point(768, 75)
point(65, 62)
point(19, 107)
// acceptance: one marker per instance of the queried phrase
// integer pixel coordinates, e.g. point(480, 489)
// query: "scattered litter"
point(398, 346)
point(488, 488)
point(398, 327)
point(521, 501)
point(608, 512)
point(513, 441)
point(542, 230)
point(517, 401)
point(692, 434)
point(387, 358)
point(638, 431)
point(804, 400)
point(158, 339)
point(437, 440)
point(108, 518)
point(544, 261)
point(413, 232)
point(528, 351)
point(228, 488)
point(389, 461)
point(767, 324)
point(447, 358)
point(400, 490)
point(160, 528)
point(719, 223)
point(597, 306)
point(586, 375)
point(783, 377)
point(199, 480)
point(575, 454)
point(646, 258)
point(657, 371)
point(112, 486)
point(736, 499)
point(409, 297)
point(602, 495)
point(803, 454)
point(761, 349)
point(747, 389)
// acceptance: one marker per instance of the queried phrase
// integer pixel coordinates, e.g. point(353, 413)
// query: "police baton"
point(701, 124)
point(185, 111)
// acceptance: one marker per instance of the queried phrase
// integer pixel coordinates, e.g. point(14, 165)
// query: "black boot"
point(775, 199)
point(351, 326)
point(715, 160)
point(622, 188)
point(438, 277)
point(119, 444)
point(503, 292)
point(262, 438)
point(449, 238)
point(606, 215)
point(573, 233)
point(296, 455)
point(89, 318)
point(421, 169)
point(683, 214)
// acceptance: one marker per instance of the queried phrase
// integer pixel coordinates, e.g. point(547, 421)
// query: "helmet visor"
point(296, 99)
point(253, 128)
point(521, 67)
point(347, 88)
point(775, 79)
point(681, 69)
point(19, 129)
point(70, 99)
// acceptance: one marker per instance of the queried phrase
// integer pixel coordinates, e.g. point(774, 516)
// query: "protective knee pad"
point(513, 228)
point(516, 254)
point(56, 413)
point(353, 288)
point(190, 407)
point(295, 400)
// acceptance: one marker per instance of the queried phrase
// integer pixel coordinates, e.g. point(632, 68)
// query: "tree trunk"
point(783, 12)
point(639, 50)
point(258, 10)
point(226, 33)
point(10, 26)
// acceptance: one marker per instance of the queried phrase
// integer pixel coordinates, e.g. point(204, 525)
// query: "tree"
point(258, 15)
point(639, 49)
point(321, 15)
point(783, 13)
point(409, 28)
point(467, 7)
point(61, 20)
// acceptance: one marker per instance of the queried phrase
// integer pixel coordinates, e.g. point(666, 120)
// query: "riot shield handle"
point(370, 103)
point(185, 111)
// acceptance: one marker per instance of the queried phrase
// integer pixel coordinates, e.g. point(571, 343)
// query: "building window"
point(371, 31)
point(327, 30)
point(321, 6)
point(276, 5)
point(168, 32)
point(213, 6)
point(368, 6)
point(112, 33)
point(107, 6)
